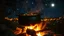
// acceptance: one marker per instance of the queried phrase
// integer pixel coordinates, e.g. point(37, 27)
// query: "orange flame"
point(36, 28)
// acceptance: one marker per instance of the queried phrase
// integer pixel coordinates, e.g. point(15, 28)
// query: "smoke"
point(38, 7)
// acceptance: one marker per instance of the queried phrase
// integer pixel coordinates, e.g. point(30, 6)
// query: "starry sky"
point(42, 6)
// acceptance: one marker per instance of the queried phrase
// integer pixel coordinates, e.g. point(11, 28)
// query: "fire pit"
point(33, 30)
point(32, 26)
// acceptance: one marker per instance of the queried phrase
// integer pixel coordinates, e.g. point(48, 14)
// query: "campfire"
point(33, 27)
point(33, 30)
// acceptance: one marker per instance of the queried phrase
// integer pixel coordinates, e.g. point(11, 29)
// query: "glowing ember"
point(18, 31)
point(40, 34)
point(27, 35)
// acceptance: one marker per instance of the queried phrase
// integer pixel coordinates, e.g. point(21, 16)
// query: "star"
point(32, 3)
point(26, 1)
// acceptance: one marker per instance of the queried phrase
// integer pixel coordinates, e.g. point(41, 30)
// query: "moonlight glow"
point(52, 5)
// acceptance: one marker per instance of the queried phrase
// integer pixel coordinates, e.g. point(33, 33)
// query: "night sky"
point(42, 6)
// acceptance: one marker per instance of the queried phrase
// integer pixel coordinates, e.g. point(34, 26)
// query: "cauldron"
point(29, 19)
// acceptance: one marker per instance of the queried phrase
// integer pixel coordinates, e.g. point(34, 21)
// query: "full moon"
point(52, 5)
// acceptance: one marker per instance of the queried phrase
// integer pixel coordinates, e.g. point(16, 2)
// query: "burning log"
point(31, 32)
point(24, 34)
point(49, 34)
